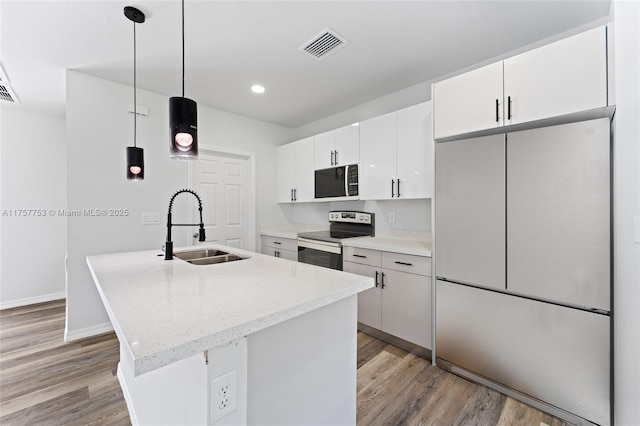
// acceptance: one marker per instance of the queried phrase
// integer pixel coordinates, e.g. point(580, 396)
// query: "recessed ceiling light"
point(256, 88)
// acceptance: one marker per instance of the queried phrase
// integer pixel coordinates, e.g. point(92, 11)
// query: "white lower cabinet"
point(400, 303)
point(286, 248)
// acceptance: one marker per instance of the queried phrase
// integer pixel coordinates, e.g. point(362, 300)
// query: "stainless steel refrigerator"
point(522, 262)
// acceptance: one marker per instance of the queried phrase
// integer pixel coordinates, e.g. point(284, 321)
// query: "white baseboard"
point(32, 300)
point(94, 330)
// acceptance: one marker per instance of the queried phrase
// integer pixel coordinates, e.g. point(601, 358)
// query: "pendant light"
point(183, 120)
point(135, 155)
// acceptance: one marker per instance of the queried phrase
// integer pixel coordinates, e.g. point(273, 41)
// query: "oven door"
point(320, 253)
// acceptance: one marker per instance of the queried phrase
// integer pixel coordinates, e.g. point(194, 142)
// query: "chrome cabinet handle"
point(335, 156)
point(497, 111)
point(392, 183)
point(398, 188)
point(509, 108)
point(404, 263)
point(376, 278)
point(277, 242)
point(360, 255)
point(381, 279)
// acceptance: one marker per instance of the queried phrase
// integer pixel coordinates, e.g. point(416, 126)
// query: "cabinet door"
point(470, 211)
point(324, 148)
point(347, 145)
point(406, 307)
point(269, 251)
point(378, 157)
point(288, 254)
point(558, 204)
point(560, 78)
point(303, 170)
point(415, 152)
point(467, 102)
point(285, 172)
point(368, 300)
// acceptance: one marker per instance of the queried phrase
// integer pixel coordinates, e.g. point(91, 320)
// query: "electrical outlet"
point(150, 218)
point(392, 217)
point(223, 395)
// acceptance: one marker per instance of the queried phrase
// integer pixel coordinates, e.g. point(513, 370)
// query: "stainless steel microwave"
point(337, 183)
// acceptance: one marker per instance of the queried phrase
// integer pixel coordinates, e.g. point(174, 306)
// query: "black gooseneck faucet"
point(168, 245)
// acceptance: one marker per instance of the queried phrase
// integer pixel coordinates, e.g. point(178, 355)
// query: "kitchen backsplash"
point(412, 217)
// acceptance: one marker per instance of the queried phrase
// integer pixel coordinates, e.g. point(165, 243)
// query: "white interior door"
point(223, 184)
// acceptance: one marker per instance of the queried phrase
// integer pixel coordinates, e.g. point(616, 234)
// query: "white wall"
point(98, 130)
point(33, 176)
point(626, 265)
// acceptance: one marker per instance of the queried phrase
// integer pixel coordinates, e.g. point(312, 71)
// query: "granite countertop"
point(164, 311)
point(395, 245)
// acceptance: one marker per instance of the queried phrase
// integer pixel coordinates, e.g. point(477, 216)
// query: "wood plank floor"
point(396, 387)
point(44, 381)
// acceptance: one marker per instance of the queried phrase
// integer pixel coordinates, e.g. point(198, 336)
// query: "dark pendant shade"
point(183, 123)
point(135, 163)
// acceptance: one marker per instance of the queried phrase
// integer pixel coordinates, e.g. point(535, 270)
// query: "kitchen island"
point(254, 341)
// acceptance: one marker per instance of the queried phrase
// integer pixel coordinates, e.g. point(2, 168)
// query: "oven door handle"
point(319, 245)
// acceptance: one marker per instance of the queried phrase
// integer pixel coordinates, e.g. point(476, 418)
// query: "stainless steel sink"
point(206, 256)
point(215, 259)
point(198, 254)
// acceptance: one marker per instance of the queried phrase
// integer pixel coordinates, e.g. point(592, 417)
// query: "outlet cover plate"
point(223, 395)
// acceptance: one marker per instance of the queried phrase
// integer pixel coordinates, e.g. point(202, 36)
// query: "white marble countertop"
point(290, 230)
point(395, 245)
point(164, 311)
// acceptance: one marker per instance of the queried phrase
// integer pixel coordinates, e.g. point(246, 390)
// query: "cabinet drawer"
point(407, 263)
point(360, 255)
point(280, 243)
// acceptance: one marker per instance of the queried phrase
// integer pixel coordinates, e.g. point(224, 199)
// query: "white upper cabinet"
point(339, 147)
point(468, 102)
point(396, 155)
point(560, 78)
point(285, 173)
point(378, 157)
point(325, 146)
point(295, 171)
point(414, 153)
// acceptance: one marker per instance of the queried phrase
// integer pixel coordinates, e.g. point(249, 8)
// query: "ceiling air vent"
point(7, 94)
point(325, 43)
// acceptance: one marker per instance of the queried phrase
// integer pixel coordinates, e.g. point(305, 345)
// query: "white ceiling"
point(231, 45)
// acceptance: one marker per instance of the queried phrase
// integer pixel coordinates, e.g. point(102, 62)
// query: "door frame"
point(250, 157)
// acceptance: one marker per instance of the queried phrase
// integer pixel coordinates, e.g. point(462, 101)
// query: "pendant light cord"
point(183, 48)
point(135, 101)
